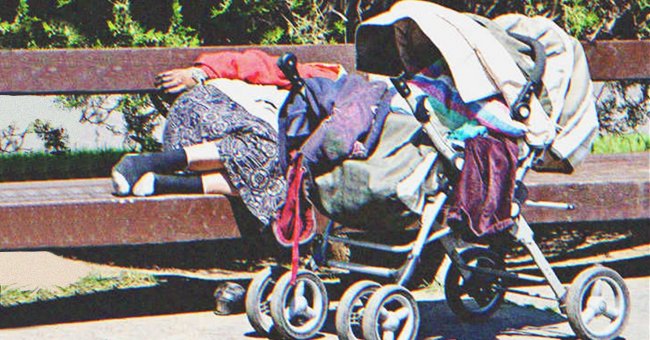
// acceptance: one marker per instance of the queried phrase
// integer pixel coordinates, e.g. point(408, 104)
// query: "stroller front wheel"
point(351, 308)
point(258, 302)
point(391, 313)
point(478, 296)
point(598, 304)
point(299, 311)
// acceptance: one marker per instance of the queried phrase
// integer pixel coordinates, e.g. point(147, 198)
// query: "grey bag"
point(363, 193)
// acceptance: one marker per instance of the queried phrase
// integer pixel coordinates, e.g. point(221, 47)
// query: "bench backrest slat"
point(124, 70)
point(129, 70)
point(618, 60)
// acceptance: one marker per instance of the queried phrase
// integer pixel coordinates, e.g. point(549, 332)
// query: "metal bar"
point(372, 245)
point(439, 234)
point(550, 205)
point(428, 219)
point(535, 295)
point(524, 235)
point(360, 268)
point(499, 273)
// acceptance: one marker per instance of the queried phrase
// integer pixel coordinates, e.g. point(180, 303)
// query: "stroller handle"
point(288, 65)
point(521, 106)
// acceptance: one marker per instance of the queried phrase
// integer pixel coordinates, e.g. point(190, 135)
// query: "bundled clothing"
point(333, 121)
point(437, 83)
point(242, 129)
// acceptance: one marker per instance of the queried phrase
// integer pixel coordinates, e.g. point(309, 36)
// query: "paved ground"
point(512, 321)
point(180, 306)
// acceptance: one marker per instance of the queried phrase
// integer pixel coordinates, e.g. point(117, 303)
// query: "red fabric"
point(295, 223)
point(258, 67)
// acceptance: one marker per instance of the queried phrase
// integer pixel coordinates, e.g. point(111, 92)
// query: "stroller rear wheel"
point(598, 304)
point(351, 308)
point(258, 302)
point(478, 296)
point(299, 311)
point(391, 313)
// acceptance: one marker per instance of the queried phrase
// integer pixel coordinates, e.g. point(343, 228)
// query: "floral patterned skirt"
point(247, 145)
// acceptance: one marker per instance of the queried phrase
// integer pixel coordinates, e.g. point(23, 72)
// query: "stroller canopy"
point(413, 34)
point(401, 39)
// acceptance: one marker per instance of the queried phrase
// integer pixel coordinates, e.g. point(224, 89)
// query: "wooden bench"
point(72, 213)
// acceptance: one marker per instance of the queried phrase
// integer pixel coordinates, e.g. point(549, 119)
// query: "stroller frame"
point(366, 304)
point(431, 231)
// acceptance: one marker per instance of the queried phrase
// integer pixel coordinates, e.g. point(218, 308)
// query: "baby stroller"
point(295, 304)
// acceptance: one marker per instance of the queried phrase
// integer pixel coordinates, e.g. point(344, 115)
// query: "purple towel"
point(483, 194)
point(353, 126)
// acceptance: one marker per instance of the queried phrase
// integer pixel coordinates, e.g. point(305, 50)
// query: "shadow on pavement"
point(172, 295)
point(438, 322)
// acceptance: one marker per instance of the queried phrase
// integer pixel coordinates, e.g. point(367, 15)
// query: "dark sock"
point(133, 166)
point(178, 184)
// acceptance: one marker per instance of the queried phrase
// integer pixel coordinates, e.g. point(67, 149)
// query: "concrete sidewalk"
point(524, 319)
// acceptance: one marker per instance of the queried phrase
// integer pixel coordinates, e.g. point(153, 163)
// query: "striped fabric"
point(437, 83)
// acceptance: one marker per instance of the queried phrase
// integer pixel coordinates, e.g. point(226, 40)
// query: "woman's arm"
point(180, 79)
point(252, 66)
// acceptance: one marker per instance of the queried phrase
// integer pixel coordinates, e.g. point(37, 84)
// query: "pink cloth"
point(258, 67)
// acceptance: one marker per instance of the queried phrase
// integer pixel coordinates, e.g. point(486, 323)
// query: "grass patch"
point(87, 285)
point(619, 143)
point(73, 164)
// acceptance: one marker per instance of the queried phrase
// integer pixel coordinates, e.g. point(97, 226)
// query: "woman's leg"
point(129, 170)
point(203, 157)
point(208, 183)
point(218, 183)
point(132, 166)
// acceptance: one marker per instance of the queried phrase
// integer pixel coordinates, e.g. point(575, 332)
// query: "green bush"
point(621, 143)
point(74, 164)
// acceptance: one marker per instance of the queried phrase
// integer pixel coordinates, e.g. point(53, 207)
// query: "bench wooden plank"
point(619, 60)
point(128, 70)
point(67, 213)
point(83, 212)
point(124, 70)
point(603, 188)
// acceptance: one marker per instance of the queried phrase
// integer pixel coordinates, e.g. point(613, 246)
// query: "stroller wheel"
point(351, 308)
point(598, 304)
point(258, 302)
point(391, 313)
point(299, 311)
point(478, 296)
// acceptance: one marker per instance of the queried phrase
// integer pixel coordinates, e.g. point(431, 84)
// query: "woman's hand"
point(176, 80)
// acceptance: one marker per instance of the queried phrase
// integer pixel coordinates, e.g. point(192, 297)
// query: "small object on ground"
point(229, 298)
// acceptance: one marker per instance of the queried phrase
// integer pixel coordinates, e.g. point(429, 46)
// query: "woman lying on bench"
point(217, 142)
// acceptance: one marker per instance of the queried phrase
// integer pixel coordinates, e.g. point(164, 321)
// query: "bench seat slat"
point(83, 212)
